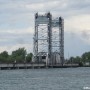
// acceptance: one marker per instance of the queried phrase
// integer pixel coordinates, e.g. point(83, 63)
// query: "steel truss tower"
point(49, 39)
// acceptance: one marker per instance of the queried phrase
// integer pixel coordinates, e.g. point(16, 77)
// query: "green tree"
point(4, 57)
point(18, 55)
point(29, 57)
point(86, 57)
point(77, 60)
point(74, 60)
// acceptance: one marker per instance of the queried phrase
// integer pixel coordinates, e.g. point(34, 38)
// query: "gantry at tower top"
point(49, 39)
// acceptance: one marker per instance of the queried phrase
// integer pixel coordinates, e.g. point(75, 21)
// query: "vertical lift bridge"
point(49, 39)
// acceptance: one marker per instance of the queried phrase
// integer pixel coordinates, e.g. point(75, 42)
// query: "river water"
point(46, 79)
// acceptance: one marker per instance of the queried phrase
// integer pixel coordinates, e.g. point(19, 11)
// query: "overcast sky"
point(17, 23)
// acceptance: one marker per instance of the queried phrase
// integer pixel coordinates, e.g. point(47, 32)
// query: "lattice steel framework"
point(49, 39)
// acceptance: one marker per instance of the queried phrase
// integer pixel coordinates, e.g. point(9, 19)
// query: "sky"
point(17, 23)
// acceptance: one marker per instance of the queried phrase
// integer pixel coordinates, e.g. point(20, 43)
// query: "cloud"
point(74, 45)
point(11, 48)
point(85, 36)
point(79, 22)
point(45, 6)
point(14, 39)
point(17, 21)
point(80, 25)
point(16, 33)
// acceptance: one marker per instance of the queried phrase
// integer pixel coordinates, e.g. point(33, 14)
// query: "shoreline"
point(36, 66)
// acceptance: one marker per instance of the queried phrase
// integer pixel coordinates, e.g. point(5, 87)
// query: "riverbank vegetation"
point(19, 56)
point(81, 60)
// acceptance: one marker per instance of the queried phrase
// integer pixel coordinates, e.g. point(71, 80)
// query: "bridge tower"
point(48, 39)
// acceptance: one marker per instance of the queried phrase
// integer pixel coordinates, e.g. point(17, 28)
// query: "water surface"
point(45, 79)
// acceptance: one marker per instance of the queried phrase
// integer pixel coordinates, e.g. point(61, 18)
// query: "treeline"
point(19, 56)
point(84, 58)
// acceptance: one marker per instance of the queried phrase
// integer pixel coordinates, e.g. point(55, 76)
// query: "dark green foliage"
point(18, 55)
point(29, 57)
point(80, 64)
point(86, 57)
point(80, 60)
point(75, 60)
point(4, 57)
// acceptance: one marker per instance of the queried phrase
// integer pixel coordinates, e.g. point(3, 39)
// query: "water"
point(45, 79)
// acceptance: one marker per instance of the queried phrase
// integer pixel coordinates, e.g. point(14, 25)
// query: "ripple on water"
point(45, 79)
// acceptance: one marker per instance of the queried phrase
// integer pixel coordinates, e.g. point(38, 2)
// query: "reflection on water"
point(45, 79)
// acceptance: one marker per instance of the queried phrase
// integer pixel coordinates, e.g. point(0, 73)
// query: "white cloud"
point(79, 23)
point(16, 38)
point(17, 20)
point(11, 48)
point(29, 30)
point(41, 5)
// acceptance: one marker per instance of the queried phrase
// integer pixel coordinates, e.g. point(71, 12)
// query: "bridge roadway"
point(27, 66)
